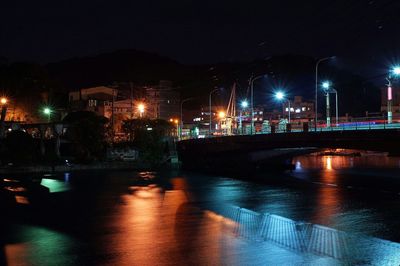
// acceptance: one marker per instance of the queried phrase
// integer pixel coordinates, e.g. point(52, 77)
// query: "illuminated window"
point(303, 109)
point(286, 109)
point(298, 110)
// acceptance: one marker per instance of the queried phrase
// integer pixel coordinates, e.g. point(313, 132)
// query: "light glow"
point(326, 84)
point(141, 108)
point(3, 100)
point(396, 70)
point(279, 95)
point(221, 114)
point(47, 110)
point(244, 104)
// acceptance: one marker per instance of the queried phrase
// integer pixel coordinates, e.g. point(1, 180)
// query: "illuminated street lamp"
point(47, 111)
point(281, 96)
point(244, 104)
point(326, 85)
point(395, 72)
point(141, 109)
point(316, 87)
point(221, 115)
point(3, 101)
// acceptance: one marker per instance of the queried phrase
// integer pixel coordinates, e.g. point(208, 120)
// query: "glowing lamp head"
point(279, 95)
point(244, 104)
point(326, 84)
point(176, 121)
point(396, 70)
point(47, 111)
point(141, 107)
point(3, 100)
point(221, 114)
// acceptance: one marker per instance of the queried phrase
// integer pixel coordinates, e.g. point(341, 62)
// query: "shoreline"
point(39, 169)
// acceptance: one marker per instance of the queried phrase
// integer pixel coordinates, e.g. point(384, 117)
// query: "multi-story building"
point(299, 109)
point(162, 101)
point(93, 99)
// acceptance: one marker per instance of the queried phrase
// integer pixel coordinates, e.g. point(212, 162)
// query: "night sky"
point(361, 32)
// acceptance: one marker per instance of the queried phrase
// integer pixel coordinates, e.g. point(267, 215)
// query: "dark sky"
point(364, 32)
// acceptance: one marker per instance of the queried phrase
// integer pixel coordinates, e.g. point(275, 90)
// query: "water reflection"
point(33, 245)
point(329, 162)
point(154, 225)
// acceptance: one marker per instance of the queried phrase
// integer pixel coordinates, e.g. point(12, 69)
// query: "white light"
point(326, 85)
point(280, 95)
point(396, 70)
point(244, 104)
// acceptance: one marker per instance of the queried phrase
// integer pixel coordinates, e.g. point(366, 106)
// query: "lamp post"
point(47, 111)
point(281, 96)
point(316, 88)
point(252, 101)
point(3, 103)
point(181, 124)
point(210, 109)
point(326, 86)
point(141, 108)
point(244, 104)
point(393, 73)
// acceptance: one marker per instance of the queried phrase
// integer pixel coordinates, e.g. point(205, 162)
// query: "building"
point(162, 101)
point(95, 99)
point(299, 109)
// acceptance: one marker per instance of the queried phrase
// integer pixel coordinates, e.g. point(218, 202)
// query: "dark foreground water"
point(180, 218)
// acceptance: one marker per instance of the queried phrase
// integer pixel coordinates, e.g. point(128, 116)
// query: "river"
point(174, 218)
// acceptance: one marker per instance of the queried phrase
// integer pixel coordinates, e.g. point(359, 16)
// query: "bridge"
point(275, 150)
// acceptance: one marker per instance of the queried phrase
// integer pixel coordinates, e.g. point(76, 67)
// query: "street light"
point(181, 124)
point(395, 71)
point(252, 100)
point(210, 109)
point(3, 101)
point(141, 108)
point(281, 96)
point(244, 104)
point(326, 85)
point(47, 111)
point(316, 87)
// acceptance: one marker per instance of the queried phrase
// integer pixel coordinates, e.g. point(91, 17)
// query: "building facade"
point(162, 101)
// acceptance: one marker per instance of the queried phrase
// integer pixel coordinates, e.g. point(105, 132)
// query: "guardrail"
point(312, 238)
point(353, 124)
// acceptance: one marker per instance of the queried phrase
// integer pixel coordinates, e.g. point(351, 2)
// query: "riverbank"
point(139, 166)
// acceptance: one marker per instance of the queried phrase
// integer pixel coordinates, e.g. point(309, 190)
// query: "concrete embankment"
point(74, 167)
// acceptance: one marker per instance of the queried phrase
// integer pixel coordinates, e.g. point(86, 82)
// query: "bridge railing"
point(299, 236)
point(357, 123)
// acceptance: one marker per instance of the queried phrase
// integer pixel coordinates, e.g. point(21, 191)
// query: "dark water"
point(166, 218)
